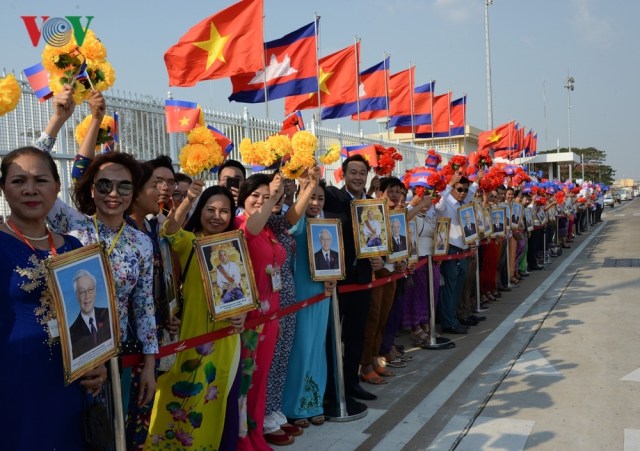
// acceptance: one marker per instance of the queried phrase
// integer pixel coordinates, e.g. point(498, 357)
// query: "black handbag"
point(96, 426)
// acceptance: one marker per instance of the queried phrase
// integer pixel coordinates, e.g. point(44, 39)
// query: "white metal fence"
point(143, 134)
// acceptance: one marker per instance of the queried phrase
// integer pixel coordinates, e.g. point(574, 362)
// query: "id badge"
point(276, 280)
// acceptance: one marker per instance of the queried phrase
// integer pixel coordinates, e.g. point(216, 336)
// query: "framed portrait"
point(542, 217)
point(467, 216)
point(170, 305)
point(488, 226)
point(326, 255)
point(84, 297)
point(371, 227)
point(480, 223)
point(441, 236)
point(400, 241)
point(528, 219)
point(516, 215)
point(413, 241)
point(507, 213)
point(498, 218)
point(226, 270)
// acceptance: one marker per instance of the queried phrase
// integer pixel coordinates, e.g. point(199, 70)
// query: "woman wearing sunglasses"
point(103, 195)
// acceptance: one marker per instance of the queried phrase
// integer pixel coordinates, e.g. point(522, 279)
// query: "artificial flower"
point(104, 133)
point(387, 157)
point(481, 158)
point(9, 94)
point(201, 153)
point(331, 155)
point(457, 162)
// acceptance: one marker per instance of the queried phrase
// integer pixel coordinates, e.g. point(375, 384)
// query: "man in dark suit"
point(399, 242)
point(497, 225)
point(354, 306)
point(92, 326)
point(469, 225)
point(326, 258)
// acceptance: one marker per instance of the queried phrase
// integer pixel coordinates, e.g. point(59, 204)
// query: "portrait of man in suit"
point(228, 279)
point(92, 326)
point(399, 242)
point(498, 225)
point(326, 258)
point(469, 225)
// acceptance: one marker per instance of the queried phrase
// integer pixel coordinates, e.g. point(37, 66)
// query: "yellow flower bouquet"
point(201, 153)
point(104, 134)
point(9, 94)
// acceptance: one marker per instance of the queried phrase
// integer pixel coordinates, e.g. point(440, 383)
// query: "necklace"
point(42, 238)
point(19, 234)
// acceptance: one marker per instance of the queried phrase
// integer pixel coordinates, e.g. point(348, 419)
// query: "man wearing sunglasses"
point(454, 272)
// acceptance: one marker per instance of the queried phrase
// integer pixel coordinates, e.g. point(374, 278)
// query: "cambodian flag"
point(291, 69)
point(38, 78)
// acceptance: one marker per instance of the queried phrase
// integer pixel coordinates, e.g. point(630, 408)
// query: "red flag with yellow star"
point(225, 44)
point(180, 116)
point(498, 138)
point(336, 80)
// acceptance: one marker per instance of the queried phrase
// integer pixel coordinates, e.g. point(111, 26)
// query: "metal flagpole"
point(434, 342)
point(264, 73)
point(343, 409)
point(449, 111)
point(357, 82)
point(464, 124)
point(433, 89)
point(316, 19)
point(412, 109)
point(386, 91)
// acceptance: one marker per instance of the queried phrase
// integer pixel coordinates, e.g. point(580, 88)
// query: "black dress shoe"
point(468, 321)
point(454, 330)
point(478, 318)
point(360, 393)
point(504, 289)
point(536, 268)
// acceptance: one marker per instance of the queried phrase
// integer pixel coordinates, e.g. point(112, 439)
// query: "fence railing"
point(142, 133)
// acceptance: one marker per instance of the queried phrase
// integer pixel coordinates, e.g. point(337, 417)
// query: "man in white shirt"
point(228, 279)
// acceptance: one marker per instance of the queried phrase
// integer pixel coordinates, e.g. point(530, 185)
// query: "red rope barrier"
point(173, 348)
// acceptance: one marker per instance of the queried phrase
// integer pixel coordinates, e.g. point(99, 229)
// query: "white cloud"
point(593, 27)
point(275, 69)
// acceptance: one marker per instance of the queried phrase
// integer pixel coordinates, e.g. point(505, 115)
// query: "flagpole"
point(316, 18)
point(433, 93)
point(449, 111)
point(464, 123)
point(413, 129)
point(386, 91)
point(357, 82)
point(264, 72)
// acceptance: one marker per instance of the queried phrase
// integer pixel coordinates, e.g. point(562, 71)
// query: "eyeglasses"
point(105, 186)
point(88, 291)
point(166, 183)
point(178, 195)
point(462, 190)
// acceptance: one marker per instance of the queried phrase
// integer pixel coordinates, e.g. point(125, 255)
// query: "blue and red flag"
point(291, 69)
point(439, 119)
point(422, 100)
point(225, 143)
point(181, 116)
point(337, 81)
point(454, 115)
point(420, 177)
point(372, 94)
point(38, 78)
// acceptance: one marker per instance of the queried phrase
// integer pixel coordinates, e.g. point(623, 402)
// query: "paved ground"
point(556, 366)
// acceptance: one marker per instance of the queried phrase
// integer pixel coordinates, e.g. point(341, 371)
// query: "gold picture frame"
point(488, 226)
point(498, 222)
point(400, 242)
point(229, 285)
point(413, 240)
point(371, 227)
point(84, 297)
point(479, 213)
point(441, 236)
point(528, 216)
point(516, 215)
point(171, 303)
point(326, 250)
point(468, 224)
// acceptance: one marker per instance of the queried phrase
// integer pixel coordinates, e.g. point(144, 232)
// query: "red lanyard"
point(52, 247)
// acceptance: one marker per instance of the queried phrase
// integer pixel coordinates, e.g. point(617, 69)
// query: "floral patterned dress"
point(131, 262)
point(32, 376)
point(191, 398)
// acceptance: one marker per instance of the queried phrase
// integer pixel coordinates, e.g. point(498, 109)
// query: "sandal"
point(300, 422)
point(293, 431)
point(394, 363)
point(279, 439)
point(382, 371)
point(497, 294)
point(317, 420)
point(515, 280)
point(372, 378)
point(490, 297)
point(418, 337)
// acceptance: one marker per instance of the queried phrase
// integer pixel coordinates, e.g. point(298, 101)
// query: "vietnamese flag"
point(222, 45)
point(181, 116)
point(368, 151)
point(336, 80)
point(498, 138)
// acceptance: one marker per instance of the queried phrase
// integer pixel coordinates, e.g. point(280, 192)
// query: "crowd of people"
point(261, 386)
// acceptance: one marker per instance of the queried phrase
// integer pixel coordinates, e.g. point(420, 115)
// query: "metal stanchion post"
point(434, 342)
point(343, 409)
point(544, 247)
point(508, 241)
point(479, 308)
point(118, 426)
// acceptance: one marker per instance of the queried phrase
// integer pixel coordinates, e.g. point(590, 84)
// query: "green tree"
point(595, 168)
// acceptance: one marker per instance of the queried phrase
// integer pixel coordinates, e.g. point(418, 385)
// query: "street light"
point(488, 63)
point(569, 86)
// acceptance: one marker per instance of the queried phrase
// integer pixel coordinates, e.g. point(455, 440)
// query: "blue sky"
point(534, 46)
